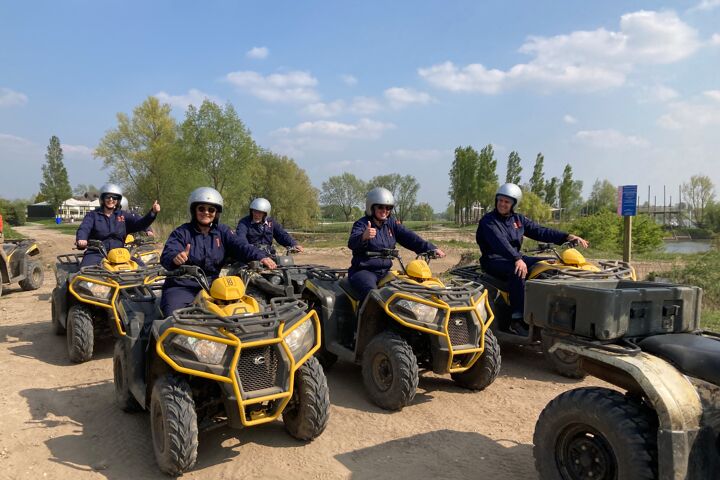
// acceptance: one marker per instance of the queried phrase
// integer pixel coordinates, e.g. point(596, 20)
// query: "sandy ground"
point(59, 420)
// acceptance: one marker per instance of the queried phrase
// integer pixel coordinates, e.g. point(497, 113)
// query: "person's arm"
point(543, 234)
point(282, 236)
point(83, 231)
point(241, 232)
point(240, 249)
point(176, 243)
point(356, 240)
point(496, 237)
point(136, 223)
point(411, 240)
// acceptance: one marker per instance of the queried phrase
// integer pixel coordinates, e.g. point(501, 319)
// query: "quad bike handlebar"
point(190, 271)
point(550, 248)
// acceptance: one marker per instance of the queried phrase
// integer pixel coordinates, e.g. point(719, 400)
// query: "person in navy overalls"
point(259, 229)
point(374, 232)
point(110, 223)
point(202, 242)
point(500, 236)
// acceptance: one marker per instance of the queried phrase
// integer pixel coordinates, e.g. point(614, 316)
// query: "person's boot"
point(518, 326)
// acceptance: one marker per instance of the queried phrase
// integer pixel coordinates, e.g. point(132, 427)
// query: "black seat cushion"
point(345, 285)
point(694, 355)
point(488, 279)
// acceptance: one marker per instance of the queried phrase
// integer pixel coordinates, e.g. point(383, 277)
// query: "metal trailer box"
point(610, 309)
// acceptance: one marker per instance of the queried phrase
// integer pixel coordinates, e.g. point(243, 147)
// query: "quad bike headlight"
point(95, 289)
point(416, 310)
point(302, 339)
point(206, 351)
point(481, 310)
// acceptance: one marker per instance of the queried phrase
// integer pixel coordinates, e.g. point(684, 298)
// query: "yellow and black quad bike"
point(225, 360)
point(95, 300)
point(566, 263)
point(19, 262)
point(661, 419)
point(144, 247)
point(411, 320)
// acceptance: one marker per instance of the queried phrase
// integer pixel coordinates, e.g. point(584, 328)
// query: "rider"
point(203, 242)
point(376, 231)
point(259, 229)
point(110, 224)
point(500, 236)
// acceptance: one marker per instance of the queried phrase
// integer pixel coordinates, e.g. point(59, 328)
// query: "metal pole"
point(627, 238)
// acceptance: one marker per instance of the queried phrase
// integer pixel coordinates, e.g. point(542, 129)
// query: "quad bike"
point(96, 297)
point(567, 264)
point(222, 361)
point(18, 265)
point(144, 247)
point(662, 419)
point(412, 319)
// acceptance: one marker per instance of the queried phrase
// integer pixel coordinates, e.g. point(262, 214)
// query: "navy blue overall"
point(365, 272)
point(111, 229)
point(208, 252)
point(263, 233)
point(500, 239)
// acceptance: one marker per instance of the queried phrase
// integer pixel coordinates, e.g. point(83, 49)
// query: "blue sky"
point(624, 91)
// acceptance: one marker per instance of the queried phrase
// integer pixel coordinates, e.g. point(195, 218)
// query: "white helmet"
point(261, 205)
point(378, 196)
point(124, 204)
point(205, 195)
point(510, 190)
point(111, 189)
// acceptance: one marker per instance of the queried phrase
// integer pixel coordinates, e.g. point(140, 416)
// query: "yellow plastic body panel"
point(227, 289)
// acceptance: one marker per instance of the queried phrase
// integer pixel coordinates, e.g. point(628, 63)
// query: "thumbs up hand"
point(370, 232)
point(182, 257)
point(155, 207)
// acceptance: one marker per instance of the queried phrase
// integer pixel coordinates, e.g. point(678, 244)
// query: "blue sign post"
point(627, 207)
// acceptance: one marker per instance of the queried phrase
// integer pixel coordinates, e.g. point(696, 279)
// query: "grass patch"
point(11, 234)
point(710, 320)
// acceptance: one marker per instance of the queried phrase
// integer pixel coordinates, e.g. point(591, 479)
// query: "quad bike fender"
point(60, 299)
point(670, 393)
point(331, 319)
point(4, 273)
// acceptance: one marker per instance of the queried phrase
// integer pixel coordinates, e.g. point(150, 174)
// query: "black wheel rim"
point(583, 453)
point(158, 431)
point(382, 372)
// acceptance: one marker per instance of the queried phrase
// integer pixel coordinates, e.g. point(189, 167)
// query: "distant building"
point(70, 210)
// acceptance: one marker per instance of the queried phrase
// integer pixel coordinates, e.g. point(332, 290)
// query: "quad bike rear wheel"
point(390, 371)
point(595, 433)
point(35, 275)
point(80, 334)
point(123, 396)
point(307, 413)
point(173, 422)
point(563, 362)
point(485, 370)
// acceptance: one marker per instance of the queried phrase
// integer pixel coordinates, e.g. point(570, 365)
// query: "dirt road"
point(59, 420)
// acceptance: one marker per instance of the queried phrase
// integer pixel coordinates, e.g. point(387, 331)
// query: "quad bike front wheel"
point(123, 396)
point(595, 433)
point(485, 370)
point(307, 413)
point(390, 371)
point(173, 422)
point(563, 362)
point(80, 334)
point(34, 276)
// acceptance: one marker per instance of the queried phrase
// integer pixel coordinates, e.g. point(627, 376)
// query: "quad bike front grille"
point(258, 368)
point(460, 330)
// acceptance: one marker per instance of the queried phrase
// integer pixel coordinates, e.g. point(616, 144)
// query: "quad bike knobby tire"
point(565, 363)
point(595, 433)
point(57, 326)
point(124, 398)
point(34, 276)
point(307, 413)
point(80, 334)
point(390, 371)
point(173, 422)
point(485, 370)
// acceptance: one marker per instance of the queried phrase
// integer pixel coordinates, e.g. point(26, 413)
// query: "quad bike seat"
point(494, 281)
point(694, 355)
point(348, 288)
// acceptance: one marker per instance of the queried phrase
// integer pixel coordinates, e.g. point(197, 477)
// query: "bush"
point(13, 212)
point(703, 271)
point(604, 231)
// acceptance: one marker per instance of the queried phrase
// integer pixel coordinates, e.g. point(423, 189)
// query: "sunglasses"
point(204, 209)
point(111, 197)
point(384, 207)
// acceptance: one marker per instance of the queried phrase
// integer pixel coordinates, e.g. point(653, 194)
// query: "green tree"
point(570, 193)
point(698, 193)
point(486, 177)
point(463, 187)
point(604, 232)
point(423, 212)
point(403, 188)
point(551, 191)
point(603, 197)
point(533, 207)
point(346, 191)
point(142, 155)
point(86, 191)
point(55, 186)
point(513, 169)
point(537, 181)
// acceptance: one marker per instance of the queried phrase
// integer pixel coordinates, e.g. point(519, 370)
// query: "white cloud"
point(714, 94)
point(657, 93)
point(419, 154)
point(294, 87)
point(693, 115)
point(257, 53)
point(349, 80)
point(399, 97)
point(715, 39)
point(363, 129)
point(9, 139)
point(610, 138)
point(582, 60)
point(11, 98)
point(79, 150)
point(569, 119)
point(706, 5)
point(193, 97)
point(357, 106)
point(325, 110)
point(365, 106)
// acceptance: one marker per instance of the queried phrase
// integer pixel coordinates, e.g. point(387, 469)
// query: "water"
point(687, 246)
